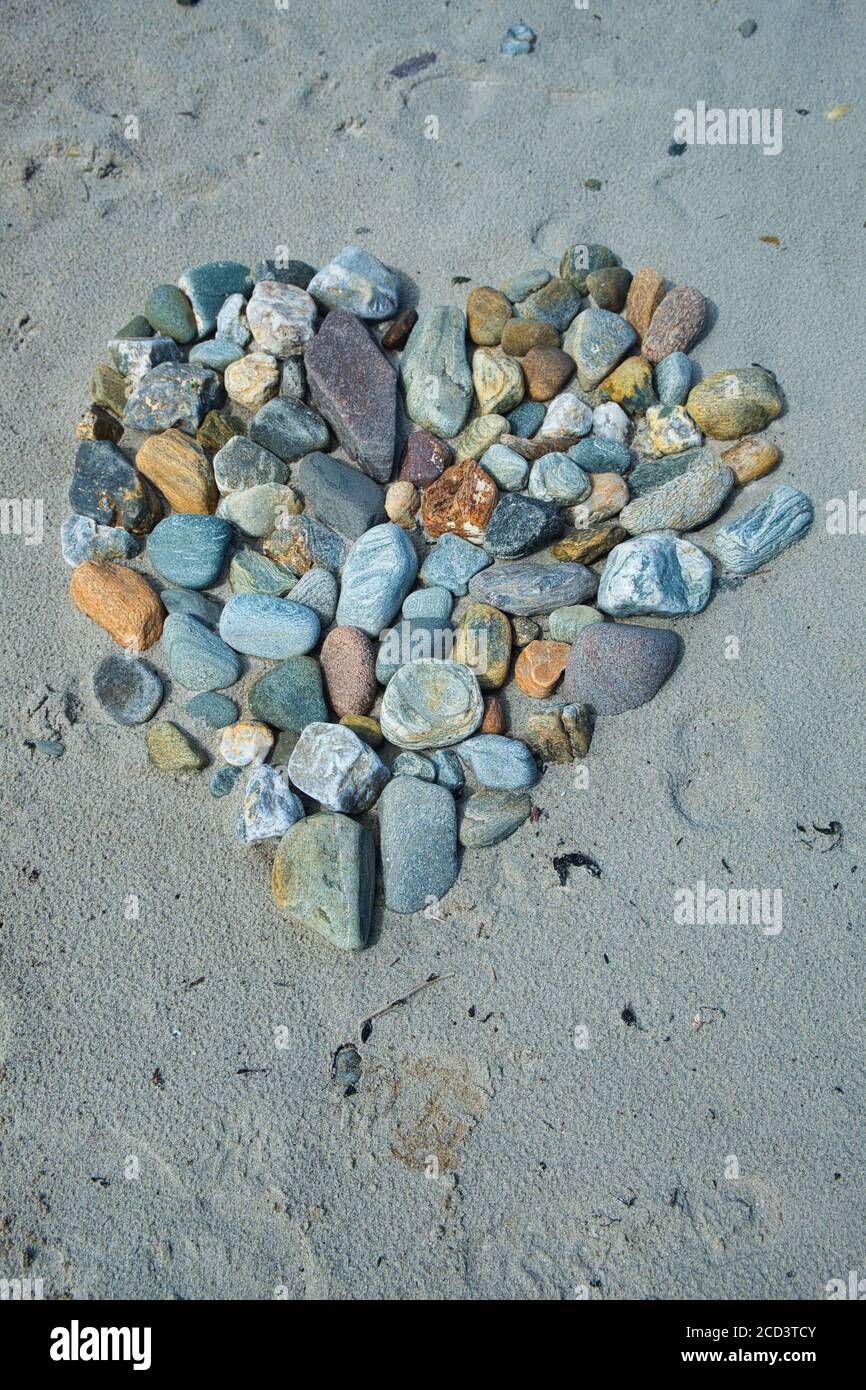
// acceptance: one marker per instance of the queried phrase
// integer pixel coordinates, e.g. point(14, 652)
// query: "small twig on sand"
point(403, 999)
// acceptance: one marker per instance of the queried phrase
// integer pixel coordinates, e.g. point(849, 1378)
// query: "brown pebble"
point(97, 423)
point(546, 737)
point(546, 369)
point(349, 669)
point(179, 467)
point(424, 458)
point(645, 294)
point(608, 497)
point(494, 717)
point(519, 335)
point(460, 502)
point(577, 722)
point(402, 501)
point(396, 335)
point(120, 600)
point(751, 458)
point(676, 323)
point(557, 442)
point(487, 311)
point(539, 667)
point(609, 287)
point(590, 544)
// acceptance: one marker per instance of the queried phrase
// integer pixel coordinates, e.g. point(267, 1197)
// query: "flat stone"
point(215, 431)
point(106, 487)
point(751, 458)
point(396, 336)
point(555, 303)
point(498, 381)
point(676, 323)
point(354, 387)
point(324, 877)
point(356, 281)
point(409, 640)
point(197, 658)
point(289, 696)
point(241, 464)
point(526, 419)
point(674, 378)
point(742, 400)
point(288, 429)
point(503, 764)
point(653, 473)
point(332, 765)
point(434, 602)
point(609, 287)
point(506, 467)
point(189, 550)
point(259, 510)
point(366, 728)
point(339, 495)
point(657, 575)
point(181, 471)
point(539, 667)
point(630, 385)
point(565, 623)
point(208, 286)
point(460, 502)
point(194, 603)
point(668, 429)
point(763, 532)
point(253, 379)
point(216, 710)
point(523, 284)
point(349, 668)
point(591, 543)
point(557, 478)
point(682, 504)
point(271, 627)
point(318, 589)
point(129, 691)
point(431, 704)
point(169, 311)
point(483, 645)
point(172, 750)
point(609, 421)
point(232, 322)
point(645, 294)
point(304, 544)
point(424, 458)
point(413, 765)
point(135, 357)
point(579, 261)
point(521, 524)
point(487, 312)
point(597, 340)
point(96, 423)
point(402, 504)
point(82, 539)
point(378, 575)
point(435, 373)
point(519, 335)
point(418, 843)
point(527, 588)
point(478, 436)
point(216, 353)
point(223, 781)
point(270, 807)
point(452, 563)
point(489, 817)
point(616, 667)
point(120, 601)
point(174, 393)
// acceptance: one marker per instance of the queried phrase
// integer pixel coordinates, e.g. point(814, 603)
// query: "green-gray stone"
point(208, 286)
point(289, 696)
point(414, 765)
point(324, 877)
point(217, 711)
point(138, 327)
point(555, 303)
point(223, 780)
point(580, 260)
point(565, 623)
point(250, 572)
point(216, 353)
point(435, 372)
point(170, 312)
point(491, 816)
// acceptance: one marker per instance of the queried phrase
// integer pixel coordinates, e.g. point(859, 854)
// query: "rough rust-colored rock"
point(539, 667)
point(179, 468)
point(349, 668)
point(676, 323)
point(424, 458)
point(519, 335)
point(493, 721)
point(120, 601)
point(592, 543)
point(460, 502)
point(645, 294)
point(487, 312)
point(751, 458)
point(547, 370)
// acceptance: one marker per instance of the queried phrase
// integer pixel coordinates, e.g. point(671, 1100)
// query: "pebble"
point(97, 423)
point(434, 602)
point(424, 458)
point(616, 667)
point(683, 504)
point(669, 429)
point(609, 287)
point(258, 625)
point(539, 667)
point(357, 281)
point(566, 414)
point(431, 704)
point(597, 455)
point(555, 303)
point(418, 843)
point(108, 390)
point(579, 261)
point(577, 722)
point(524, 283)
point(645, 294)
point(526, 588)
point(231, 324)
point(169, 312)
point(461, 501)
point(223, 780)
point(520, 335)
point(395, 337)
point(216, 710)
point(366, 728)
point(608, 497)
point(742, 400)
point(557, 478)
point(253, 379)
point(489, 817)
point(282, 318)
point(339, 495)
point(318, 589)
point(349, 669)
point(241, 464)
point(747, 28)
point(546, 369)
point(763, 532)
point(437, 381)
point(565, 623)
point(332, 765)
point(402, 504)
point(413, 765)
point(676, 323)
point(138, 327)
point(452, 563)
point(674, 378)
point(192, 602)
point(302, 544)
point(189, 550)
point(216, 353)
point(630, 385)
point(197, 658)
point(525, 630)
point(324, 877)
point(409, 640)
point(519, 39)
point(521, 524)
point(172, 750)
point(246, 744)
point(174, 393)
point(590, 543)
point(106, 487)
point(82, 539)
point(259, 510)
point(288, 429)
point(287, 271)
point(270, 807)
point(657, 575)
point(180, 469)
point(135, 357)
point(487, 312)
point(208, 286)
point(378, 574)
point(120, 601)
point(478, 436)
point(751, 458)
point(483, 645)
point(129, 691)
point(526, 419)
point(654, 472)
point(507, 469)
point(354, 387)
point(546, 737)
point(449, 771)
point(293, 381)
point(289, 696)
point(504, 764)
point(597, 340)
point(498, 380)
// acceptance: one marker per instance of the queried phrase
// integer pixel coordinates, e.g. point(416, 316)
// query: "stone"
point(447, 767)
point(288, 429)
point(451, 564)
point(608, 497)
point(504, 764)
point(293, 380)
point(539, 667)
point(208, 286)
point(546, 369)
point(526, 419)
point(577, 722)
point(246, 744)
point(580, 260)
point(366, 728)
point(657, 575)
point(215, 431)
point(546, 737)
point(597, 340)
point(189, 550)
point(332, 765)
point(654, 472)
point(525, 630)
point(258, 625)
point(223, 781)
point(763, 532)
point(253, 379)
point(674, 378)
point(137, 327)
point(349, 669)
point(520, 335)
point(192, 602)
point(324, 877)
point(590, 543)
point(172, 750)
point(356, 281)
point(232, 322)
point(108, 390)
point(97, 423)
point(304, 544)
point(169, 312)
point(431, 704)
point(106, 487)
point(216, 353)
point(270, 807)
point(507, 469)
point(180, 469)
point(616, 667)
point(493, 721)
point(174, 393)
point(134, 357)
point(130, 692)
point(524, 283)
point(318, 589)
point(557, 478)
point(489, 817)
point(418, 843)
point(478, 436)
point(498, 380)
point(483, 645)
point(609, 421)
point(521, 524)
point(259, 510)
point(339, 495)
point(630, 385)
point(413, 765)
point(567, 414)
point(424, 458)
point(437, 382)
point(396, 336)
point(645, 294)
point(282, 318)
point(669, 429)
point(751, 458)
point(460, 502)
point(565, 623)
point(216, 710)
point(519, 39)
point(402, 504)
point(526, 588)
point(82, 539)
point(487, 312)
point(676, 324)
point(287, 271)
point(197, 658)
point(241, 464)
point(742, 400)
point(683, 504)
point(409, 640)
point(289, 696)
point(429, 603)
point(378, 574)
point(555, 303)
point(609, 287)
point(354, 387)
point(120, 601)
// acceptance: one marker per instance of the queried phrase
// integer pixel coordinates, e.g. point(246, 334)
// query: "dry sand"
point(158, 1139)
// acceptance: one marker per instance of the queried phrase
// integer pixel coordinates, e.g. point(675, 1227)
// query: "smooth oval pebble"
point(189, 550)
point(565, 623)
point(216, 710)
point(289, 696)
point(763, 532)
point(271, 627)
point(377, 576)
point(676, 323)
point(657, 575)
point(192, 602)
point(451, 564)
point(557, 478)
point(172, 750)
point(318, 589)
point(742, 400)
point(527, 588)
point(434, 602)
point(507, 469)
point(674, 378)
point(349, 669)
point(616, 667)
point(120, 601)
point(418, 843)
point(504, 764)
point(129, 691)
point(491, 816)
point(601, 455)
point(431, 704)
point(197, 658)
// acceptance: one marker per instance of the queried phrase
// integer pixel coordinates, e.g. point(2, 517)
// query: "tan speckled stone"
point(751, 458)
point(120, 601)
point(179, 467)
point(253, 380)
point(645, 294)
point(402, 501)
point(487, 312)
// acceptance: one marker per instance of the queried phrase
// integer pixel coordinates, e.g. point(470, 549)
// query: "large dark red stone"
point(353, 385)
